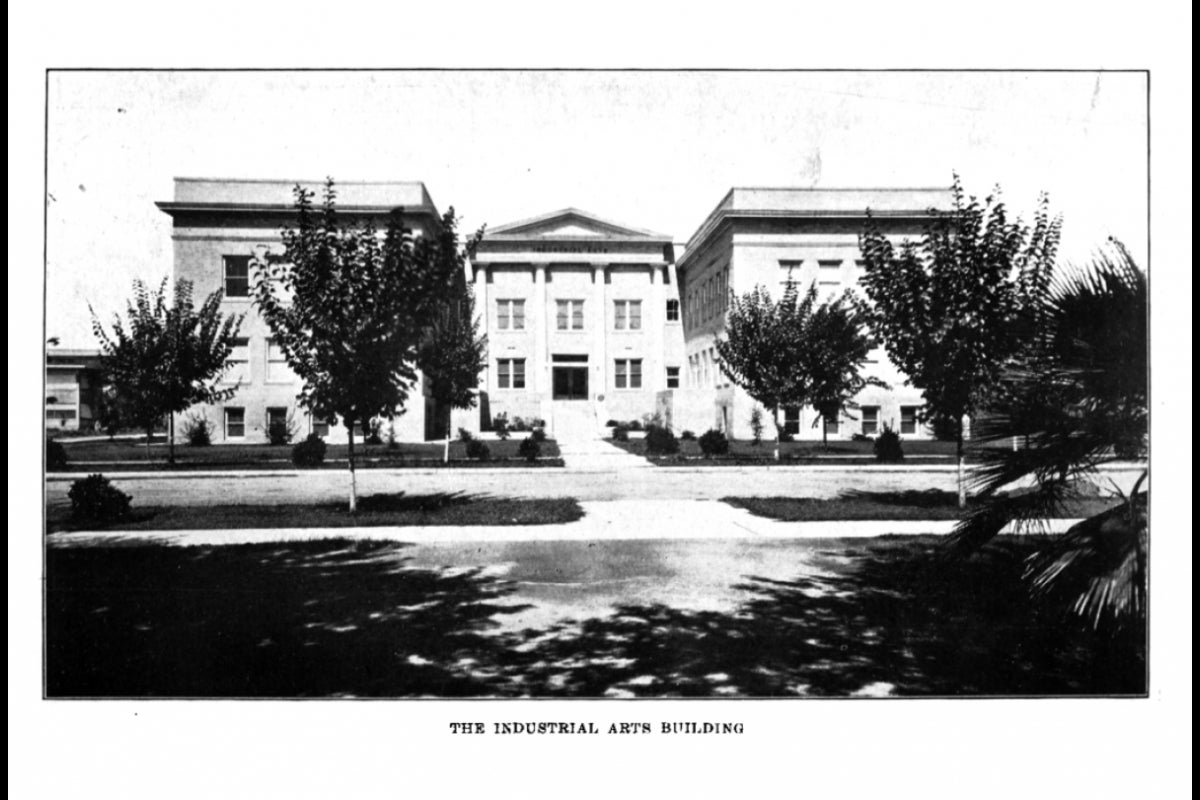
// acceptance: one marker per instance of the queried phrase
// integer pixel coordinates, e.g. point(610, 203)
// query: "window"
point(831, 425)
point(510, 315)
point(511, 373)
point(629, 373)
point(672, 377)
point(791, 421)
point(908, 418)
point(627, 315)
point(672, 311)
point(570, 315)
point(239, 362)
point(235, 423)
point(278, 369)
point(237, 276)
point(320, 428)
point(870, 420)
point(276, 416)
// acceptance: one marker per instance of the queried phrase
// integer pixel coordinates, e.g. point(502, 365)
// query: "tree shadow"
point(399, 502)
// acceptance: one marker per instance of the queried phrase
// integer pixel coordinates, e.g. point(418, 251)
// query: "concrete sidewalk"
point(603, 521)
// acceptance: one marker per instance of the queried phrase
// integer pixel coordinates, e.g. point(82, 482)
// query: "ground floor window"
point(831, 425)
point(672, 377)
point(629, 373)
point(908, 418)
point(791, 421)
point(511, 373)
point(870, 420)
point(320, 428)
point(235, 423)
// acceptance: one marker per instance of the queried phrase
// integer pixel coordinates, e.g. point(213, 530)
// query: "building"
point(766, 237)
point(582, 320)
point(73, 389)
point(587, 320)
point(222, 231)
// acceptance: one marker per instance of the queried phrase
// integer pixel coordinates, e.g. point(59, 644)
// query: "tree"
point(953, 308)
point(837, 346)
point(794, 352)
point(1077, 394)
point(350, 309)
point(169, 358)
point(453, 354)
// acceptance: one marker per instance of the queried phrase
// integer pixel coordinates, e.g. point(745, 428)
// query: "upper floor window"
point(672, 311)
point(239, 362)
point(510, 315)
point(237, 276)
point(570, 315)
point(627, 315)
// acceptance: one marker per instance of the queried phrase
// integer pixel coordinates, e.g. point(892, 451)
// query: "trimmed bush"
point(660, 441)
point(198, 431)
point(371, 433)
point(888, 447)
point(620, 433)
point(501, 427)
point(713, 443)
point(282, 431)
point(56, 456)
point(477, 450)
point(310, 452)
point(529, 449)
point(94, 499)
point(465, 436)
point(538, 435)
point(687, 436)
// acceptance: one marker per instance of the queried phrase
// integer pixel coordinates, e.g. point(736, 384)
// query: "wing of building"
point(588, 320)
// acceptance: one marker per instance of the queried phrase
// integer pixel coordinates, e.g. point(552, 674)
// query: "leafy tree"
point(1077, 395)
point(350, 309)
point(952, 308)
point(167, 357)
point(453, 353)
point(837, 346)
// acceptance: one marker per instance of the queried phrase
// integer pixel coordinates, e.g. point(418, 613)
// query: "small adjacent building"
point(73, 389)
point(766, 236)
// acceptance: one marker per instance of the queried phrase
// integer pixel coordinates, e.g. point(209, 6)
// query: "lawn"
point(746, 453)
point(373, 511)
point(128, 454)
point(907, 505)
point(335, 618)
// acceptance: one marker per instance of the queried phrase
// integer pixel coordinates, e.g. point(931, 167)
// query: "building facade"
point(766, 237)
point(587, 320)
point(73, 386)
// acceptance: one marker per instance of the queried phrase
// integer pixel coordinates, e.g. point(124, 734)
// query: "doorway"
point(570, 383)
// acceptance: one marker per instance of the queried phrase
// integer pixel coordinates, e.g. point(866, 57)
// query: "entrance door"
point(570, 383)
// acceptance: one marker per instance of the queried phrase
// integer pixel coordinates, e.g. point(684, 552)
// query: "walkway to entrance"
point(577, 432)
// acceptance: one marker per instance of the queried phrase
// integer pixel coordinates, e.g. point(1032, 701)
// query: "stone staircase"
point(578, 433)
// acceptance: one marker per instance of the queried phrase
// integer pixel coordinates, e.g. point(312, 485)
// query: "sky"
point(657, 150)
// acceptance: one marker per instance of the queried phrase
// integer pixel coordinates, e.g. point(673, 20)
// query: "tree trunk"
point(775, 419)
point(171, 439)
point(353, 477)
point(958, 451)
point(824, 434)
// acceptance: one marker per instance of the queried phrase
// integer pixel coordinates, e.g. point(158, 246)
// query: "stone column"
point(540, 319)
point(655, 319)
point(599, 331)
point(482, 308)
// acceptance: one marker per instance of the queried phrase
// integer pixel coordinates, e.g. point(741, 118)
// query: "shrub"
point(784, 436)
point(371, 435)
point(756, 426)
point(538, 435)
point(687, 436)
point(465, 436)
point(477, 450)
point(501, 427)
point(537, 423)
point(620, 433)
point(713, 443)
point(612, 423)
point(198, 431)
point(655, 419)
point(633, 425)
point(518, 425)
point(282, 431)
point(862, 437)
point(56, 456)
point(94, 499)
point(529, 449)
point(660, 441)
point(392, 444)
point(887, 446)
point(310, 452)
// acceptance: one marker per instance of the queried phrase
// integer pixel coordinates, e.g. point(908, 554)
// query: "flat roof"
point(251, 194)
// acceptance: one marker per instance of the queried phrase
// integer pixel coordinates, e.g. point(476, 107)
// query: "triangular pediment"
point(571, 223)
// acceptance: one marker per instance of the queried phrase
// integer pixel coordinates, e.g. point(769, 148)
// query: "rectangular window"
point(64, 395)
point(278, 369)
point(627, 315)
point(320, 428)
point(235, 423)
point(628, 373)
point(237, 276)
point(276, 416)
point(870, 420)
point(672, 377)
point(510, 315)
point(791, 421)
point(831, 425)
point(909, 416)
point(570, 315)
point(239, 362)
point(672, 311)
point(510, 373)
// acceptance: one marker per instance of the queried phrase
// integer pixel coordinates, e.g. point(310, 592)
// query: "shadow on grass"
point(338, 618)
